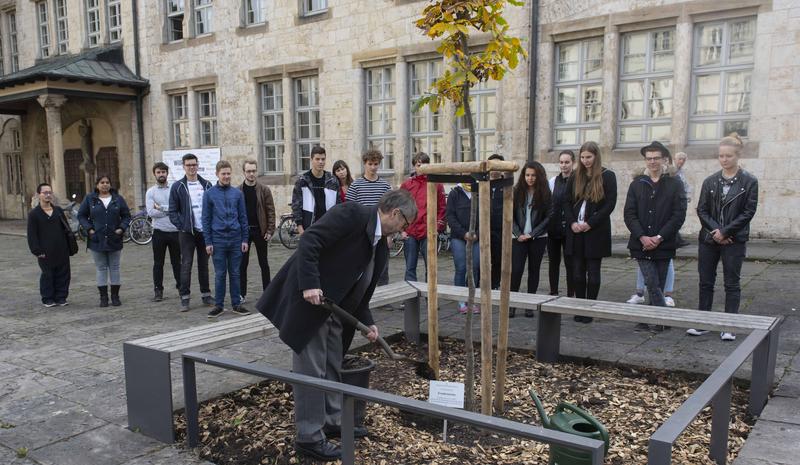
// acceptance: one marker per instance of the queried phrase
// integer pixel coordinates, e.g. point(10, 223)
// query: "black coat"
point(332, 254)
point(557, 226)
point(104, 221)
point(655, 209)
point(597, 241)
point(458, 208)
point(731, 215)
point(540, 219)
point(46, 236)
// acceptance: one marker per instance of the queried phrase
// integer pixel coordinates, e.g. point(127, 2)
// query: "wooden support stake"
point(467, 167)
point(433, 297)
point(484, 241)
point(505, 294)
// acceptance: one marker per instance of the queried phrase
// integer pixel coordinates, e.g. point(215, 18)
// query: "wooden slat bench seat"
point(148, 380)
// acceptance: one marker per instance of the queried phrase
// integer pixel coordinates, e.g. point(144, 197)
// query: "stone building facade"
point(269, 79)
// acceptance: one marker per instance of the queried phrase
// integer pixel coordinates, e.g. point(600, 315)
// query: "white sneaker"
point(243, 299)
point(727, 336)
point(696, 332)
point(669, 301)
point(636, 299)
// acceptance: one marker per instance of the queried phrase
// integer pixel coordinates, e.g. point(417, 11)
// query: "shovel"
point(421, 367)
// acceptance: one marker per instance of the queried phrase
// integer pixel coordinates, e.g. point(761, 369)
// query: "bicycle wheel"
point(397, 246)
point(140, 230)
point(287, 233)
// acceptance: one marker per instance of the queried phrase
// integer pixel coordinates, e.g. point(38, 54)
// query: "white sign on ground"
point(206, 158)
point(446, 393)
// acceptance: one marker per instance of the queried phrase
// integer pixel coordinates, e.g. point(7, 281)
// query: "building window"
point(272, 127)
point(12, 39)
point(180, 121)
point(312, 7)
point(380, 113)
point(208, 118)
point(721, 77)
point(175, 11)
point(93, 22)
point(114, 21)
point(306, 103)
point(254, 12)
point(578, 92)
point(43, 25)
point(645, 109)
point(62, 34)
point(483, 104)
point(425, 128)
point(203, 14)
point(13, 174)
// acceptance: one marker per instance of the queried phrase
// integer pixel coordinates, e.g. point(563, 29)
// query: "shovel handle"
point(353, 321)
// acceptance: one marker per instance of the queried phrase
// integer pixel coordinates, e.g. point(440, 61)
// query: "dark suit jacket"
point(332, 254)
point(597, 241)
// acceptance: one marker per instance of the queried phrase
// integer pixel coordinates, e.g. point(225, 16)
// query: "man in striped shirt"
point(368, 190)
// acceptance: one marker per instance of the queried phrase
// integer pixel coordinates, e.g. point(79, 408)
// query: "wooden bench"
point(148, 377)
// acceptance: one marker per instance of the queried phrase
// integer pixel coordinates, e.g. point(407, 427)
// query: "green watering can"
point(570, 419)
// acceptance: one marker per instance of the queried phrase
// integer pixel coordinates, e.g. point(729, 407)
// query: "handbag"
point(71, 241)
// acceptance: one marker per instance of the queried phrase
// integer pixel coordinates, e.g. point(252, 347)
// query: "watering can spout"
point(540, 408)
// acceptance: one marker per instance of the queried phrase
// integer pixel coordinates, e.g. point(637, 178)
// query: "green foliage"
point(22, 452)
point(452, 21)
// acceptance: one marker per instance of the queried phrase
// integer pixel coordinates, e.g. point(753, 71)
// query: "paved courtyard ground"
point(62, 395)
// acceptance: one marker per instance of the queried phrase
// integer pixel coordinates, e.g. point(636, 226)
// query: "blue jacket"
point(224, 216)
point(93, 215)
point(180, 205)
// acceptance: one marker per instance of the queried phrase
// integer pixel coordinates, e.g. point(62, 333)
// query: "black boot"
point(115, 295)
point(159, 295)
point(103, 295)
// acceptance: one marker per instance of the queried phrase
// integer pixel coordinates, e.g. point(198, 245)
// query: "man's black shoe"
point(336, 431)
point(528, 313)
point(208, 300)
point(240, 310)
point(215, 312)
point(583, 319)
point(321, 450)
point(642, 327)
point(159, 295)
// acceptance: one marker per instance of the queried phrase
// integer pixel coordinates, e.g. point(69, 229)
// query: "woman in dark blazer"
point(457, 213)
point(105, 216)
point(591, 197)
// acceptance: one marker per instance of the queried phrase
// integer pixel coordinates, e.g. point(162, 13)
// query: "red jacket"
point(417, 185)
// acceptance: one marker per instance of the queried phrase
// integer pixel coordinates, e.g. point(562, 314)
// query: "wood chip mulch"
point(255, 425)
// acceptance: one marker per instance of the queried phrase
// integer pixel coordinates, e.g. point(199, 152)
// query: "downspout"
point(533, 56)
point(139, 101)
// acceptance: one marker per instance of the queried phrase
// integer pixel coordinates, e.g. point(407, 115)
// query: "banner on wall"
point(206, 159)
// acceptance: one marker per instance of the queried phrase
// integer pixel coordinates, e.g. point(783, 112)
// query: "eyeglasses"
point(190, 165)
point(46, 193)
point(404, 219)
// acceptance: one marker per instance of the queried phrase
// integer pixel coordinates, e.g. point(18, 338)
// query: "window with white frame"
point(93, 23)
point(254, 12)
point(646, 70)
point(12, 39)
point(114, 20)
point(203, 14)
point(207, 103)
point(721, 78)
point(175, 14)
point(578, 92)
point(43, 26)
point(272, 127)
point(380, 113)
point(425, 128)
point(483, 105)
point(180, 120)
point(13, 174)
point(312, 7)
point(62, 31)
point(307, 117)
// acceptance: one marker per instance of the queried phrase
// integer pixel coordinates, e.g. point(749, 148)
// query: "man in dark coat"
point(655, 209)
point(47, 240)
point(339, 258)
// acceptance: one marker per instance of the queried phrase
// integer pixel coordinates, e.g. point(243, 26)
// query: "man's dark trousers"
point(54, 281)
point(262, 248)
point(655, 278)
point(189, 244)
point(163, 241)
point(708, 257)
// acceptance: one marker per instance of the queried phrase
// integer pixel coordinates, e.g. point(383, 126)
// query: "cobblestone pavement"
point(62, 397)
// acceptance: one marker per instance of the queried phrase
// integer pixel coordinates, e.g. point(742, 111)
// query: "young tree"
point(452, 21)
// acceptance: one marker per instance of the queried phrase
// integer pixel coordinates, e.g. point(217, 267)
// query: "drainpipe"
point(533, 55)
point(139, 101)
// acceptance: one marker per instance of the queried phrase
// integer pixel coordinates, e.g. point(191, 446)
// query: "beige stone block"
point(784, 102)
point(785, 55)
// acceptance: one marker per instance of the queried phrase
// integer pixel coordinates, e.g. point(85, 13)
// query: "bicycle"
point(287, 231)
point(442, 243)
point(140, 230)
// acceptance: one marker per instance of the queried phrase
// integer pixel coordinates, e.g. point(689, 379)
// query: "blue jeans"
point(227, 260)
point(667, 287)
point(655, 277)
point(412, 250)
point(459, 249)
point(107, 267)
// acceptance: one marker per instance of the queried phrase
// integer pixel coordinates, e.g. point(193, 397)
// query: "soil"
point(352, 362)
point(255, 424)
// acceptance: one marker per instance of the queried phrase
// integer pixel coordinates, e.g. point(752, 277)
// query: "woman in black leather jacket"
point(727, 204)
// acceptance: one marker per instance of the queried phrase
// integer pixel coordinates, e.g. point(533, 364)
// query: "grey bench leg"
point(411, 319)
point(763, 372)
point(548, 337)
point(148, 387)
point(720, 421)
